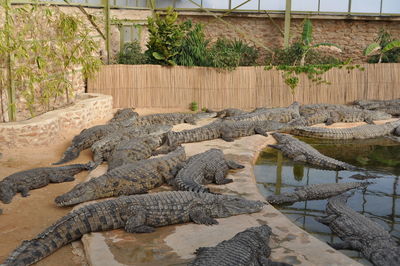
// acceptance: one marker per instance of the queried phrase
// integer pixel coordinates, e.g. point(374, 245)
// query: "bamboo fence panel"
point(246, 87)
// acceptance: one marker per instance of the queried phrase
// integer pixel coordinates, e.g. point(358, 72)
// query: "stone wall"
point(46, 128)
point(352, 35)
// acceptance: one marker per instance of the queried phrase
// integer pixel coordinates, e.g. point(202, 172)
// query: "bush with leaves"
point(385, 49)
point(165, 37)
point(193, 51)
point(131, 54)
point(230, 54)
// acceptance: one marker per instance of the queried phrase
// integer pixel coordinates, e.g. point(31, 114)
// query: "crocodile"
point(356, 115)
point(172, 118)
point(314, 192)
point(206, 167)
point(249, 247)
point(128, 179)
point(391, 109)
point(359, 132)
point(310, 119)
point(309, 109)
point(24, 181)
point(124, 114)
point(135, 149)
point(86, 139)
point(103, 148)
point(229, 112)
point(235, 129)
point(360, 233)
point(300, 151)
point(207, 132)
point(374, 104)
point(135, 214)
point(277, 114)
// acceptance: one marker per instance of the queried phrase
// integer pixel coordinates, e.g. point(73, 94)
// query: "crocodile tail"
point(56, 236)
point(70, 154)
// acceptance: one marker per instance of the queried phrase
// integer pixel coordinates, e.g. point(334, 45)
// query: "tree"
point(382, 46)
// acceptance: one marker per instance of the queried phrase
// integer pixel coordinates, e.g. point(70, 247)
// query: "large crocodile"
point(172, 118)
point(283, 115)
point(124, 114)
point(359, 132)
point(309, 109)
point(356, 115)
point(86, 139)
point(249, 247)
point(229, 112)
point(135, 149)
point(300, 151)
point(375, 104)
point(136, 214)
point(103, 148)
point(128, 179)
point(38, 177)
point(207, 132)
point(206, 167)
point(314, 192)
point(360, 233)
point(310, 119)
point(235, 129)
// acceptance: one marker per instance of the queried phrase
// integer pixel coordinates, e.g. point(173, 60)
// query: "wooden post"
point(12, 112)
point(287, 23)
point(107, 26)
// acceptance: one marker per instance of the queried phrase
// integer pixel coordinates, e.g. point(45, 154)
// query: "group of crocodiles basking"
point(128, 141)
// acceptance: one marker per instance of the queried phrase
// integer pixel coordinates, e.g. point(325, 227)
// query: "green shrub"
point(131, 54)
point(194, 106)
point(230, 54)
point(193, 51)
point(165, 37)
point(386, 49)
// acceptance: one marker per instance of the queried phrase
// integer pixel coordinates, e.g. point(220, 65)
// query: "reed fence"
point(246, 87)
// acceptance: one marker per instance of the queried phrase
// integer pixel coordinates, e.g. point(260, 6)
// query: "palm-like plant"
point(382, 45)
point(306, 40)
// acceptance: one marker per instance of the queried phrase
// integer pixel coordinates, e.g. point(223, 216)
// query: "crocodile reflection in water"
point(276, 175)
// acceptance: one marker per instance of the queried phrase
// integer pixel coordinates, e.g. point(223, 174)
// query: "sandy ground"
point(24, 218)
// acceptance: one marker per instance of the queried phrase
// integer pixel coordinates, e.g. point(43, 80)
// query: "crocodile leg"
point(234, 165)
point(190, 120)
point(342, 245)
point(368, 120)
point(350, 244)
point(136, 222)
point(327, 219)
point(228, 139)
point(60, 179)
point(220, 178)
point(24, 191)
point(260, 131)
point(200, 215)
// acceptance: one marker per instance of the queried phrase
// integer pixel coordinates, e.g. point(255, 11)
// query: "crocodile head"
point(7, 192)
point(228, 205)
point(80, 193)
point(204, 115)
point(264, 231)
point(281, 137)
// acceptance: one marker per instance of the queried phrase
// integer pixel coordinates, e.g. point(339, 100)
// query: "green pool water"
point(276, 174)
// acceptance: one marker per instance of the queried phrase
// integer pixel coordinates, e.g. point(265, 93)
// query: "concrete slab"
point(174, 245)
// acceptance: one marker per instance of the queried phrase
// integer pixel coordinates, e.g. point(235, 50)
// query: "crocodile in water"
point(136, 214)
point(128, 179)
point(315, 192)
point(360, 233)
point(300, 151)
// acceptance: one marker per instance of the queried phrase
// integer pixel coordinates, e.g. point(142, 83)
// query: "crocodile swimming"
point(128, 179)
point(249, 247)
point(360, 233)
point(135, 214)
point(103, 148)
point(203, 168)
point(359, 132)
point(24, 181)
point(135, 149)
point(283, 114)
point(300, 151)
point(314, 192)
